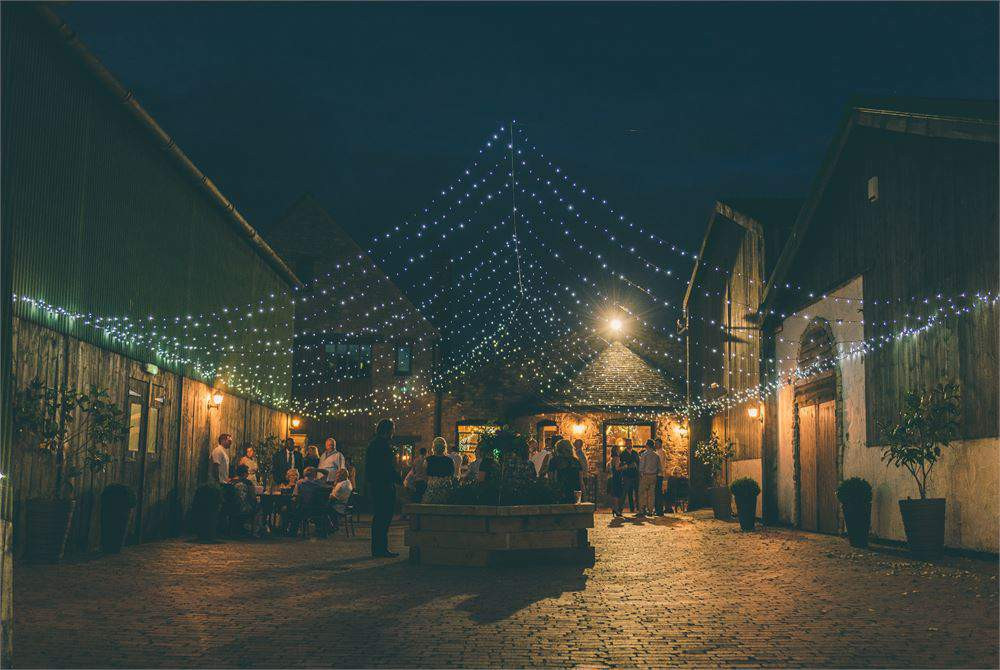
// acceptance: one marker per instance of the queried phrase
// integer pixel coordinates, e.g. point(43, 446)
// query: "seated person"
point(245, 504)
point(312, 494)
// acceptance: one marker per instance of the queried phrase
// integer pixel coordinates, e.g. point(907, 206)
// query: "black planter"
point(47, 528)
point(924, 524)
point(858, 517)
point(721, 498)
point(746, 510)
point(116, 510)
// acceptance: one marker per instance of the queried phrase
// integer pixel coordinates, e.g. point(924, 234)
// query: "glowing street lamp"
point(616, 325)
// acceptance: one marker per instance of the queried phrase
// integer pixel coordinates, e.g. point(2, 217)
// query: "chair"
point(345, 518)
point(314, 507)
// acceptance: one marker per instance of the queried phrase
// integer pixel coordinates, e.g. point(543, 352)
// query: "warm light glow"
point(216, 399)
point(296, 422)
point(681, 430)
point(578, 428)
point(753, 411)
point(616, 325)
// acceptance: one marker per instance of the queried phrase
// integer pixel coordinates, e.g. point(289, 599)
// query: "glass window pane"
point(403, 359)
point(152, 429)
point(134, 426)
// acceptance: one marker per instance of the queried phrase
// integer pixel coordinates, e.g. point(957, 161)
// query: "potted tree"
point(75, 429)
point(855, 496)
point(746, 490)
point(117, 501)
point(927, 423)
point(714, 454)
point(205, 511)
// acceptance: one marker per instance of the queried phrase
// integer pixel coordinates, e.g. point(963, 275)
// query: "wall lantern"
point(296, 422)
point(215, 399)
point(756, 412)
point(616, 325)
point(579, 428)
point(681, 430)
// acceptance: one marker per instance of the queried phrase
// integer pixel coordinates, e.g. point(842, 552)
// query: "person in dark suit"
point(381, 478)
point(285, 459)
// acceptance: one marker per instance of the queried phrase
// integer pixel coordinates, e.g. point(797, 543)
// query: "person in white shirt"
point(456, 456)
point(660, 493)
point(540, 460)
point(340, 495)
point(331, 460)
point(220, 458)
point(649, 471)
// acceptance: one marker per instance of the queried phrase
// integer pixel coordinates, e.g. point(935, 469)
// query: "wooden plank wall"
point(188, 429)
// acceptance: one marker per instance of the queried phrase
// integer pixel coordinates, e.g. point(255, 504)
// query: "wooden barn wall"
point(106, 224)
point(933, 230)
point(188, 430)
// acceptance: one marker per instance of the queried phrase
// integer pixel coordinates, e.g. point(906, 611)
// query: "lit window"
point(404, 359)
point(468, 436)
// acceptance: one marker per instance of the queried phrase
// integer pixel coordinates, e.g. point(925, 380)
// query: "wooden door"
point(807, 467)
point(818, 467)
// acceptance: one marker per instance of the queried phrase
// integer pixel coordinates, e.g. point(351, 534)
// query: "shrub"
point(119, 495)
point(927, 422)
point(854, 490)
point(745, 487)
point(538, 492)
point(713, 454)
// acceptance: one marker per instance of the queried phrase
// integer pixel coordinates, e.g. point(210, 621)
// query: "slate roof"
point(617, 378)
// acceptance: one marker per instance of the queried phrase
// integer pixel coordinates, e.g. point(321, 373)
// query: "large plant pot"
point(858, 517)
point(721, 498)
point(924, 524)
point(746, 510)
point(114, 527)
point(48, 525)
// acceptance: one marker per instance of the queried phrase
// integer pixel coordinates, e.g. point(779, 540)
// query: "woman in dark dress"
point(566, 471)
point(615, 481)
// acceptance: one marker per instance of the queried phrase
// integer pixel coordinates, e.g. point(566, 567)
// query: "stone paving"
point(678, 591)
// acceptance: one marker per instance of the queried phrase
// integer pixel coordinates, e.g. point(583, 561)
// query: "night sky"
point(660, 107)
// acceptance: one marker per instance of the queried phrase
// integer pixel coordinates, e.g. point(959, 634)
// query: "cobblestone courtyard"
point(679, 591)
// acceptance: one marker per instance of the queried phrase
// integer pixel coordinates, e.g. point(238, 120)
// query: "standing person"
point(331, 460)
point(630, 474)
point(615, 481)
point(581, 456)
point(249, 459)
point(381, 478)
point(456, 458)
point(540, 459)
point(565, 471)
point(220, 458)
point(649, 472)
point(311, 459)
point(661, 495)
point(286, 458)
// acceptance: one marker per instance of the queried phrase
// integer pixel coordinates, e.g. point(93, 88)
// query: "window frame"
point(395, 367)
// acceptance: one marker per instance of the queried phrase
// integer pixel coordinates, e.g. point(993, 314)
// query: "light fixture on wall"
point(756, 411)
point(616, 325)
point(295, 422)
point(681, 430)
point(579, 428)
point(215, 399)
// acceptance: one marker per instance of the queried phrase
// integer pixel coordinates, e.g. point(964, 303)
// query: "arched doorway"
point(816, 414)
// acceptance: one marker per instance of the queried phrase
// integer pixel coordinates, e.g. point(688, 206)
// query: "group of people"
point(305, 486)
point(639, 479)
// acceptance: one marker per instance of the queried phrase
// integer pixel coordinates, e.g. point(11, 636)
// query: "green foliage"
point(713, 454)
point(928, 421)
point(68, 423)
point(854, 490)
point(119, 495)
point(745, 487)
point(207, 500)
point(538, 492)
point(502, 442)
point(264, 451)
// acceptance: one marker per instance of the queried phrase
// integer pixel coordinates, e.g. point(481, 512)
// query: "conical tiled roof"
point(617, 379)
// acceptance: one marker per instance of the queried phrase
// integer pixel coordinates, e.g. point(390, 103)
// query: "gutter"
point(128, 101)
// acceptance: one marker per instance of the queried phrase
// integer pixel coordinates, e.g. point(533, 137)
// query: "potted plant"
point(117, 501)
point(746, 490)
point(714, 454)
point(205, 511)
point(855, 496)
point(75, 428)
point(264, 455)
point(927, 423)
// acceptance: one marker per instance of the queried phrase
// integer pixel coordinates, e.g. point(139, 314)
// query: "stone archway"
point(817, 423)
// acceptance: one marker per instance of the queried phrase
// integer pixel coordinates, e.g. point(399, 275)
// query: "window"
point(404, 359)
point(134, 424)
point(349, 360)
point(153, 422)
point(468, 435)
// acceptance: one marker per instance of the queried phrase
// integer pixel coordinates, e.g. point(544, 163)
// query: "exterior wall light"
point(296, 422)
point(756, 411)
point(616, 325)
point(215, 399)
point(578, 428)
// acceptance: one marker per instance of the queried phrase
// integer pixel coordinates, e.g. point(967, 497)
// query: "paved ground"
point(680, 591)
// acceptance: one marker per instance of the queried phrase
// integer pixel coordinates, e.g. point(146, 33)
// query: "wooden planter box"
point(485, 535)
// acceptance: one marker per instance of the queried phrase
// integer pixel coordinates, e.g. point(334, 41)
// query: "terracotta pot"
point(858, 517)
point(721, 498)
point(924, 524)
point(48, 525)
point(746, 510)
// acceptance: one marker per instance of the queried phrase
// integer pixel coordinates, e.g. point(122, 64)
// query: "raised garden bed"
point(481, 535)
